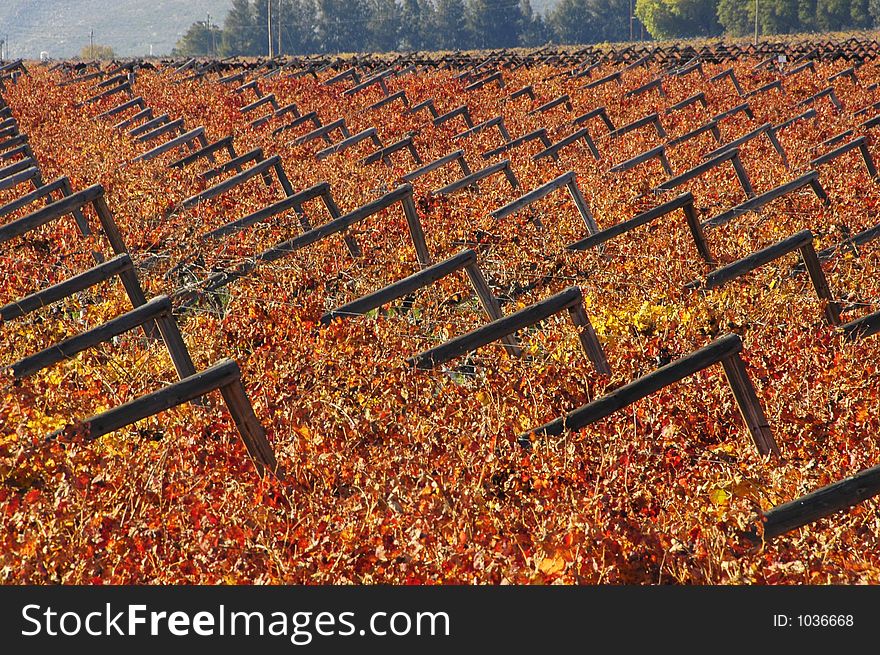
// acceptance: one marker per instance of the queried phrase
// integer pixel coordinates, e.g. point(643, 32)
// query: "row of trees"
point(313, 26)
point(329, 26)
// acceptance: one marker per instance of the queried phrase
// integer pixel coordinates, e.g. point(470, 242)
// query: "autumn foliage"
point(392, 475)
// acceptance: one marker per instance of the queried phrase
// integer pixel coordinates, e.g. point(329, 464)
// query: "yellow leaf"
point(719, 497)
point(552, 565)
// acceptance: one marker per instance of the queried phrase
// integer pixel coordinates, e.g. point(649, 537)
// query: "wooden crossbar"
point(369, 133)
point(502, 166)
point(685, 202)
point(151, 124)
point(497, 121)
point(818, 504)
point(553, 150)
point(260, 168)
point(846, 72)
point(384, 154)
point(146, 113)
point(173, 126)
point(724, 350)
point(28, 174)
point(656, 83)
point(402, 194)
point(118, 109)
point(801, 241)
point(378, 79)
point(197, 135)
point(731, 155)
point(859, 144)
point(826, 92)
point(387, 100)
point(466, 259)
point(810, 179)
point(539, 134)
point(810, 113)
point(611, 77)
point(425, 104)
point(323, 132)
point(236, 164)
point(568, 180)
point(860, 328)
point(207, 152)
point(225, 375)
point(743, 108)
point(295, 201)
point(699, 97)
point(729, 74)
point(570, 299)
point(766, 128)
point(479, 84)
point(650, 119)
point(158, 309)
point(291, 108)
point(564, 99)
point(775, 84)
point(658, 153)
point(594, 113)
point(46, 190)
point(457, 155)
point(269, 98)
point(117, 266)
point(311, 117)
point(462, 111)
point(525, 91)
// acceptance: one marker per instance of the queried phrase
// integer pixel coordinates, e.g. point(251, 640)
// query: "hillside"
point(61, 27)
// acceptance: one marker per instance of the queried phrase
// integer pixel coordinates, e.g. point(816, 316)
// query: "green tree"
point(736, 17)
point(532, 29)
point(200, 40)
point(342, 25)
point(589, 21)
point(383, 27)
point(874, 11)
point(238, 27)
point(97, 52)
point(416, 25)
point(666, 19)
point(297, 19)
point(493, 23)
point(451, 25)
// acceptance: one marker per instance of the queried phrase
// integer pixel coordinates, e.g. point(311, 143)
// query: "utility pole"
point(630, 21)
point(91, 44)
point(211, 44)
point(269, 26)
point(278, 20)
point(756, 22)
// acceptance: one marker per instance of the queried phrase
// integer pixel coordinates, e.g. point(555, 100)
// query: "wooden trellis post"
point(801, 241)
point(658, 153)
point(502, 166)
point(818, 504)
point(570, 299)
point(685, 202)
point(466, 259)
point(568, 180)
point(731, 155)
point(540, 134)
point(455, 156)
point(810, 179)
point(724, 350)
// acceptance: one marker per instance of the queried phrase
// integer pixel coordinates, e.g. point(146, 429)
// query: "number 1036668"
point(814, 621)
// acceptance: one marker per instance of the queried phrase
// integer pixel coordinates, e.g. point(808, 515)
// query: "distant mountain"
point(61, 27)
